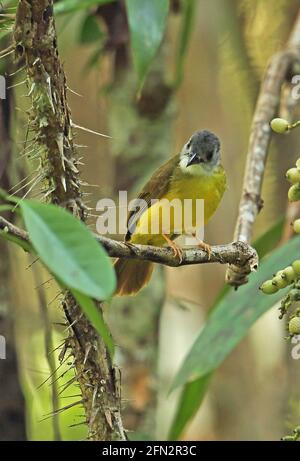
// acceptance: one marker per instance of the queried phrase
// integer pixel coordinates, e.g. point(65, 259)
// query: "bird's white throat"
point(199, 169)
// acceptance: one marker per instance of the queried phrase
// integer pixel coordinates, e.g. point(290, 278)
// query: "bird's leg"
point(204, 246)
point(176, 249)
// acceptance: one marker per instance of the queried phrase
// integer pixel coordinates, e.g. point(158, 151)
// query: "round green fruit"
point(294, 326)
point(296, 266)
point(294, 193)
point(293, 175)
point(268, 287)
point(279, 125)
point(296, 226)
point(289, 274)
point(294, 294)
point(279, 281)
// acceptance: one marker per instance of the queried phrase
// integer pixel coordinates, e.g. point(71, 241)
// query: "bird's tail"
point(132, 275)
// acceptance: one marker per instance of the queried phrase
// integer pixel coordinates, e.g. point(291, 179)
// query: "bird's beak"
point(193, 159)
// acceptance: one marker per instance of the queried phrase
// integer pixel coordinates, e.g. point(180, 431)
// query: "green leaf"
point(190, 401)
point(232, 318)
point(193, 393)
point(12, 238)
point(90, 31)
point(96, 318)
point(147, 23)
point(69, 249)
point(69, 6)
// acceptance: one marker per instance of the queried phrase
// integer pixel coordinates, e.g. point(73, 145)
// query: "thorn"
point(8, 49)
point(74, 184)
point(16, 84)
point(7, 54)
point(16, 71)
point(60, 410)
point(74, 92)
point(60, 145)
point(85, 422)
point(68, 384)
point(89, 131)
point(87, 354)
point(63, 181)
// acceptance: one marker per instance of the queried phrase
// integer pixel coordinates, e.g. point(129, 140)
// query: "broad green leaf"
point(69, 6)
point(147, 23)
point(90, 31)
point(232, 318)
point(193, 392)
point(190, 401)
point(96, 318)
point(68, 249)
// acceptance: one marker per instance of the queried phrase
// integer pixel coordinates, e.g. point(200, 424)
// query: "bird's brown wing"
point(155, 188)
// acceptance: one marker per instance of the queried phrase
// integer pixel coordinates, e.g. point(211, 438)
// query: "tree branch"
point(260, 136)
point(238, 253)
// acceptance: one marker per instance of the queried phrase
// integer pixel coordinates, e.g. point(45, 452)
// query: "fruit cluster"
point(291, 274)
point(293, 176)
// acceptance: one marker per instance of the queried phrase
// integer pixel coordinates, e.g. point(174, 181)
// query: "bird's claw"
point(176, 249)
point(206, 247)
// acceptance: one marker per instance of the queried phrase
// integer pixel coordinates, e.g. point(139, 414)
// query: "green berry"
point(296, 226)
point(294, 326)
point(296, 266)
point(279, 281)
point(294, 295)
point(268, 287)
point(289, 274)
point(279, 125)
point(298, 163)
point(293, 175)
point(294, 193)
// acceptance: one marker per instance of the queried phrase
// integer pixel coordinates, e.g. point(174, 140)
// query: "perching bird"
point(194, 173)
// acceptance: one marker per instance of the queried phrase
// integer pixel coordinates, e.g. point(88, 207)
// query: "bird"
point(194, 173)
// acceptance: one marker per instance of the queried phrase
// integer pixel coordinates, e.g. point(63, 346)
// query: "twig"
point(238, 253)
point(260, 135)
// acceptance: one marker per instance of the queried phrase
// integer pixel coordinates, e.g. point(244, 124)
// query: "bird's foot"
point(176, 249)
point(204, 246)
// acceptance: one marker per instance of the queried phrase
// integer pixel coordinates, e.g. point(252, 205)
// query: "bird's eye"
point(209, 155)
point(188, 144)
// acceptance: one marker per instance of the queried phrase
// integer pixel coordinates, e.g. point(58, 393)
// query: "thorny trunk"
point(50, 122)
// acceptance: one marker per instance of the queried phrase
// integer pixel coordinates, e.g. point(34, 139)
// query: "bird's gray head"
point(203, 148)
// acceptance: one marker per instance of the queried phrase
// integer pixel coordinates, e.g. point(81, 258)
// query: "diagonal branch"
point(260, 135)
point(238, 253)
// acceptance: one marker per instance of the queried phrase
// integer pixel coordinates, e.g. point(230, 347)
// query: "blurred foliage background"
point(206, 74)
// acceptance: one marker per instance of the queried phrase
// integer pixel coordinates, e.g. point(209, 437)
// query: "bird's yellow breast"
point(184, 188)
